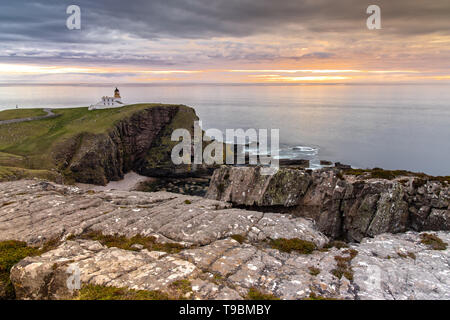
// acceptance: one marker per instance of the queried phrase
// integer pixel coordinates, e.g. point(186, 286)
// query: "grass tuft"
point(314, 271)
point(125, 243)
point(238, 237)
point(11, 252)
point(97, 292)
point(433, 241)
point(295, 244)
point(255, 294)
point(343, 264)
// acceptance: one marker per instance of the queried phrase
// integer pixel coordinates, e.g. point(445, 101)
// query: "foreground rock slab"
point(36, 212)
point(386, 267)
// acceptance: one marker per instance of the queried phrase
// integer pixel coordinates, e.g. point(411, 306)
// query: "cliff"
point(94, 146)
point(349, 204)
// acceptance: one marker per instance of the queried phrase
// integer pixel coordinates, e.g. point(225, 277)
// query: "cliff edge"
point(93, 146)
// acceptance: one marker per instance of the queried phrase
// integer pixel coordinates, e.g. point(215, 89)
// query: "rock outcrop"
point(214, 264)
point(343, 206)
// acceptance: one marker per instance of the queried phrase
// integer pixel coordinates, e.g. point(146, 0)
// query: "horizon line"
point(137, 84)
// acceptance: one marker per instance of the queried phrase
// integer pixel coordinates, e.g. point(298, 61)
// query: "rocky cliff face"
point(343, 206)
point(131, 142)
point(223, 252)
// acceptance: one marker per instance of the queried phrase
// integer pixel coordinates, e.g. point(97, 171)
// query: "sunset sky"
point(226, 41)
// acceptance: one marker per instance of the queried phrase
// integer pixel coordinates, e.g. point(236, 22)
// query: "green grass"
point(21, 113)
point(15, 173)
point(123, 242)
point(295, 244)
point(315, 296)
point(11, 252)
point(255, 294)
point(44, 144)
point(181, 288)
point(97, 292)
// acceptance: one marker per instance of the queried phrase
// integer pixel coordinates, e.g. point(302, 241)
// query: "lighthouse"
point(109, 102)
point(117, 94)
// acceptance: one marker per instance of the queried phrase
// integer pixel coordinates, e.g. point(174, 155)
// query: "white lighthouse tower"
point(109, 102)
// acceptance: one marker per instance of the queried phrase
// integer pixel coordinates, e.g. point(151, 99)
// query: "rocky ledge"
point(213, 250)
point(345, 204)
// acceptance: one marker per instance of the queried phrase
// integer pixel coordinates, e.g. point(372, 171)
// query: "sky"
point(225, 41)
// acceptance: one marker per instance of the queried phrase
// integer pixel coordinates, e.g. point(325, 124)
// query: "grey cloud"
point(318, 55)
point(40, 24)
point(209, 18)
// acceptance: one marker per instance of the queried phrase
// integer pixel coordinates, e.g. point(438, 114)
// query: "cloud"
point(205, 19)
point(199, 34)
point(317, 55)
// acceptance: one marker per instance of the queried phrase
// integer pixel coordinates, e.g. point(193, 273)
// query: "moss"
point(407, 255)
point(336, 244)
point(295, 244)
point(96, 292)
point(181, 287)
point(123, 242)
point(187, 201)
point(238, 237)
point(433, 241)
point(218, 277)
point(315, 296)
point(11, 252)
point(378, 173)
point(255, 294)
point(343, 264)
point(313, 271)
point(412, 255)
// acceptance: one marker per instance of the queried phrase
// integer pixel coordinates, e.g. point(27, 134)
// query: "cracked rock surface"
point(218, 267)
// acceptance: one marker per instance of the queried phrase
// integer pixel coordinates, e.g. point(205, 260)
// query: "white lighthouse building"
point(109, 102)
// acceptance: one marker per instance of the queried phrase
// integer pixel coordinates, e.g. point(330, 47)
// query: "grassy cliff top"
point(29, 144)
point(21, 113)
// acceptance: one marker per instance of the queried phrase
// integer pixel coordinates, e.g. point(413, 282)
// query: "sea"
point(387, 126)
